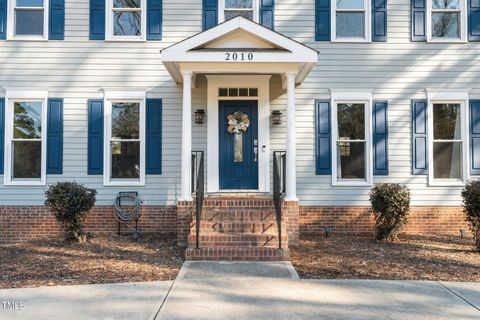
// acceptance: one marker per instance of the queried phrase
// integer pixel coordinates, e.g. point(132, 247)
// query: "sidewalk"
point(249, 291)
point(242, 290)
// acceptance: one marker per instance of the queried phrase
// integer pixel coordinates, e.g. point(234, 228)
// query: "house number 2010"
point(241, 56)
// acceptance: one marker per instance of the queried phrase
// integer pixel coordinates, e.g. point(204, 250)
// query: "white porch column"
point(291, 178)
point(186, 189)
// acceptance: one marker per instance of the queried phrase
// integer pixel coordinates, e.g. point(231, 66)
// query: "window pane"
point(223, 92)
point(127, 23)
point(27, 157)
point(126, 120)
point(447, 160)
point(351, 160)
point(350, 4)
point(29, 3)
point(351, 121)
point(125, 160)
point(233, 14)
point(350, 24)
point(29, 22)
point(127, 3)
point(27, 120)
point(238, 4)
point(445, 4)
point(446, 122)
point(445, 25)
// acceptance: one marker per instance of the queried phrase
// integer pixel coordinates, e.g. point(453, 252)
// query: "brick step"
point(227, 202)
point(237, 216)
point(238, 227)
point(237, 240)
point(238, 254)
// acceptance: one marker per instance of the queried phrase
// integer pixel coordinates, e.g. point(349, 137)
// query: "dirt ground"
point(410, 258)
point(100, 260)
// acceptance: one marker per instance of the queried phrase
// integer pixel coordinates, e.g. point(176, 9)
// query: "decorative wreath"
point(238, 122)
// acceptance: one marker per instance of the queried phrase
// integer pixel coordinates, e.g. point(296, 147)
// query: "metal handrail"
point(279, 167)
point(198, 189)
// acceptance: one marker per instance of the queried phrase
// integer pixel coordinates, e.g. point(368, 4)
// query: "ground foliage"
point(112, 259)
point(471, 208)
point(416, 257)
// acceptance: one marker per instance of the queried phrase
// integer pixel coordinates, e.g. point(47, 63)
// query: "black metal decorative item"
point(276, 117)
point(200, 116)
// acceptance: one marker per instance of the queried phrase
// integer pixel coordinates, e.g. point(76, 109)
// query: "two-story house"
point(317, 98)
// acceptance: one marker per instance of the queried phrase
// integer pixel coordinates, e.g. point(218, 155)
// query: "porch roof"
point(239, 46)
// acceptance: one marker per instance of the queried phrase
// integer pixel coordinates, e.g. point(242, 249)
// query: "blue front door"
point(238, 149)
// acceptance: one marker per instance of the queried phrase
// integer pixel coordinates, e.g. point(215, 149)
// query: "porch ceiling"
point(239, 46)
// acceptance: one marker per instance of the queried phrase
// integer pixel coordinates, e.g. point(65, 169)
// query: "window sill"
point(25, 183)
point(351, 183)
point(114, 39)
point(124, 183)
point(28, 38)
point(446, 183)
point(440, 40)
point(350, 40)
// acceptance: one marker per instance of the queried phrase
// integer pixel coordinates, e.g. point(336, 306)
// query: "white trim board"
point(262, 82)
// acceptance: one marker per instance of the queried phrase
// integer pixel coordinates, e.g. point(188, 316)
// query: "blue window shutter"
point(154, 19)
point(475, 137)
point(419, 137)
point(55, 136)
point(380, 138)
point(2, 132)
point(210, 14)
point(418, 27)
point(154, 136)
point(379, 20)
point(322, 20)
point(323, 138)
point(95, 137)
point(473, 20)
point(56, 27)
point(267, 13)
point(3, 19)
point(97, 19)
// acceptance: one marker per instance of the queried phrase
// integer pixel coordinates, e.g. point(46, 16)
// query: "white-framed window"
point(27, 20)
point(352, 142)
point(448, 145)
point(124, 139)
point(446, 20)
point(230, 9)
point(126, 20)
point(351, 20)
point(25, 138)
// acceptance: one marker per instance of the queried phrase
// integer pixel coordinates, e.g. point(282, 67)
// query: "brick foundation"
point(359, 220)
point(22, 223)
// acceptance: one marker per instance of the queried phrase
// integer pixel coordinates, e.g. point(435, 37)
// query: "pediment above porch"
point(239, 46)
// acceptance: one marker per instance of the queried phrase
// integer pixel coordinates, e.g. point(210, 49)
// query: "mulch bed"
point(112, 259)
point(410, 258)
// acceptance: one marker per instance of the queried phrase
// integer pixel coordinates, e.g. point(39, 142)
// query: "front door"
point(238, 149)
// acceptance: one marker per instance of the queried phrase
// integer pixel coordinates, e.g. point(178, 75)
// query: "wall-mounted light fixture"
point(276, 117)
point(200, 116)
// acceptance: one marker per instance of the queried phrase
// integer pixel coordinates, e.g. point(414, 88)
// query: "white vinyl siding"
point(76, 69)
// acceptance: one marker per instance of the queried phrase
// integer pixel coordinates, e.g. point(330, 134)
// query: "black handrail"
point(279, 162)
point(198, 189)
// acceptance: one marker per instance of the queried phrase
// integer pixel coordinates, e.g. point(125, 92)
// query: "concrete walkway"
point(250, 291)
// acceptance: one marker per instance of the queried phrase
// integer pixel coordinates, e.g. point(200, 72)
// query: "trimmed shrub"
point(71, 202)
point(391, 206)
point(471, 208)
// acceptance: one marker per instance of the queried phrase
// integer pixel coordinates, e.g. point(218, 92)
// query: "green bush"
point(471, 208)
point(71, 202)
point(391, 206)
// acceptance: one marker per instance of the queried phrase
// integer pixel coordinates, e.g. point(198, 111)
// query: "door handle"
point(255, 150)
